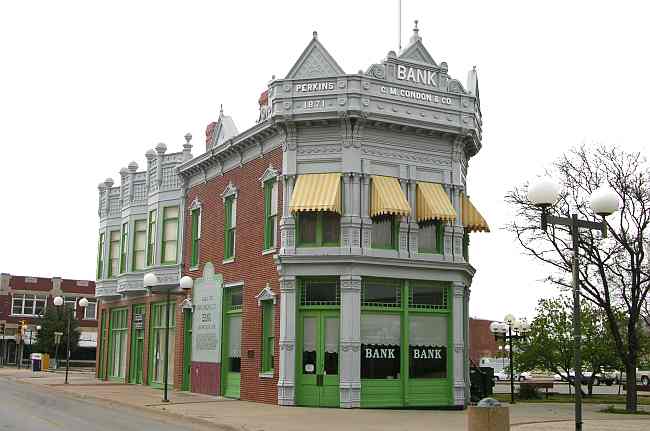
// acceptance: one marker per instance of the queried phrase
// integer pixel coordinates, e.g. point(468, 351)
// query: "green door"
point(158, 347)
point(117, 339)
point(231, 343)
point(137, 345)
point(318, 359)
point(102, 348)
point(187, 350)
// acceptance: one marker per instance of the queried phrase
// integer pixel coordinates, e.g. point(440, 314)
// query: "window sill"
point(266, 375)
point(269, 251)
point(229, 260)
point(194, 268)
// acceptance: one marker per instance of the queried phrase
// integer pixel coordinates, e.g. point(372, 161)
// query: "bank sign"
point(416, 352)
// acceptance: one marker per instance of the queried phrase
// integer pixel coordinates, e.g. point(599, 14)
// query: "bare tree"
point(614, 273)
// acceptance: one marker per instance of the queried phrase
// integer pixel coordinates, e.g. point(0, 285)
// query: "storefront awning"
point(433, 203)
point(387, 197)
point(317, 192)
point(472, 219)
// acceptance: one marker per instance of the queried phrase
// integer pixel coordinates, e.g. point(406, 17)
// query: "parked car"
point(642, 376)
point(501, 375)
point(606, 377)
point(523, 376)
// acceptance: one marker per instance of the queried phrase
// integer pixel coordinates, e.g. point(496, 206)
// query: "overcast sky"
point(86, 87)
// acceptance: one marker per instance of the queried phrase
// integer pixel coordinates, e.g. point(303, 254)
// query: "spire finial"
point(220, 109)
point(416, 35)
point(315, 34)
point(416, 26)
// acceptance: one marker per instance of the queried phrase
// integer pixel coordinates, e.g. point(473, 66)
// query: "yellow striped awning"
point(472, 219)
point(387, 197)
point(433, 203)
point(317, 192)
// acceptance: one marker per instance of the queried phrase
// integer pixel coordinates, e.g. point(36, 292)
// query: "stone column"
point(287, 343)
point(448, 228)
point(350, 220)
point(350, 342)
point(459, 317)
point(287, 222)
point(403, 238)
point(366, 221)
point(413, 221)
point(466, 345)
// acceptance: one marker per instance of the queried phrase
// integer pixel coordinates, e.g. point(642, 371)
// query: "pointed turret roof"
point(315, 62)
point(415, 51)
point(219, 131)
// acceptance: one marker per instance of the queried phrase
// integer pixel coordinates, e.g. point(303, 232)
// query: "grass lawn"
point(566, 398)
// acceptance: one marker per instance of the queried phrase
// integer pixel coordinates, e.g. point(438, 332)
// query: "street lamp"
point(58, 301)
point(508, 330)
point(150, 281)
point(604, 201)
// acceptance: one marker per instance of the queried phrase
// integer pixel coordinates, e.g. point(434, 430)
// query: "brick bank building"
point(328, 243)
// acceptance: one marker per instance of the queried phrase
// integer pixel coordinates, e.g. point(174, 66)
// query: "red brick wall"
point(481, 340)
point(250, 266)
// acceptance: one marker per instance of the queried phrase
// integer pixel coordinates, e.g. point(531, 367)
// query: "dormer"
point(220, 131)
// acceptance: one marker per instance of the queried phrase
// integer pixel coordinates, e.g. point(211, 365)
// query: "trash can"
point(37, 360)
point(488, 415)
point(45, 362)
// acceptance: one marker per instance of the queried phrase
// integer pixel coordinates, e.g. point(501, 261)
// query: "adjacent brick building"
point(23, 300)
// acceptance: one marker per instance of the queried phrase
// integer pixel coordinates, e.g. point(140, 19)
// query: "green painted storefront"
point(117, 344)
point(405, 333)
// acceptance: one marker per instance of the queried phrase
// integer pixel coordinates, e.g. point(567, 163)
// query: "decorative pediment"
point(315, 62)
point(269, 173)
point(195, 205)
point(265, 294)
point(187, 304)
point(230, 190)
point(416, 51)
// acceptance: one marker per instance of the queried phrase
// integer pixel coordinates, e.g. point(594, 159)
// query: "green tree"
point(54, 320)
point(549, 344)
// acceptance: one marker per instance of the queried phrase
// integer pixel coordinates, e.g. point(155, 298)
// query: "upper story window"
point(196, 236)
point(114, 253)
point(100, 255)
point(319, 229)
point(270, 212)
point(387, 204)
point(70, 302)
point(90, 313)
point(151, 239)
point(124, 251)
point(24, 304)
point(139, 244)
point(230, 221)
point(430, 236)
point(316, 203)
point(170, 235)
point(385, 231)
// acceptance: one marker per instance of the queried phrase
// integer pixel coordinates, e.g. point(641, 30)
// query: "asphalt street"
point(26, 407)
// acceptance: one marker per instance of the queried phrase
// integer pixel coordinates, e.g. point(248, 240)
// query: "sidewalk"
point(240, 415)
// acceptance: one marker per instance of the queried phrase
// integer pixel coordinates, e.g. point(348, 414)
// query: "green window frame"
point(151, 238)
point(124, 247)
point(157, 329)
point(270, 212)
point(392, 244)
point(438, 241)
point(170, 235)
point(118, 334)
point(268, 336)
point(114, 253)
point(138, 262)
point(100, 255)
point(230, 226)
point(196, 236)
point(322, 221)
